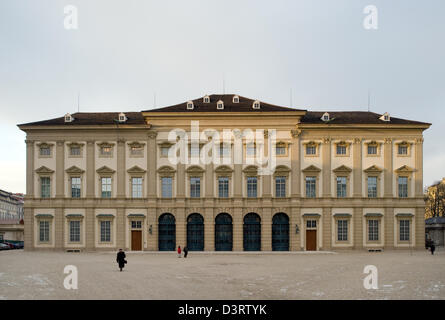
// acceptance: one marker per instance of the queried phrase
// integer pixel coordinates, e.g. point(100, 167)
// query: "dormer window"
point(190, 105)
point(325, 117)
point(235, 99)
point(69, 118)
point(220, 105)
point(256, 104)
point(385, 117)
point(206, 99)
point(122, 117)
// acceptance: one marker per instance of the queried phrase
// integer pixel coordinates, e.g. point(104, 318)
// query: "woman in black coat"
point(120, 259)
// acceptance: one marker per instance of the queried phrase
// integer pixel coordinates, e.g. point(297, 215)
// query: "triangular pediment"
point(404, 168)
point(312, 168)
point(373, 169)
point(105, 170)
point(342, 168)
point(44, 170)
point(74, 169)
point(195, 169)
point(166, 169)
point(136, 169)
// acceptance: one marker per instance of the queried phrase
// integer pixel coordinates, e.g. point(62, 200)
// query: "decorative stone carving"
point(74, 170)
point(327, 140)
point(295, 133)
point(152, 134)
point(44, 170)
point(388, 140)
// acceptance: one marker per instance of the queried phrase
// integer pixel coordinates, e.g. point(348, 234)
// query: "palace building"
point(279, 179)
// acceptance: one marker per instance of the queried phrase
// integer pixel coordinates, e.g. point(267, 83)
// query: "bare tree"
point(435, 200)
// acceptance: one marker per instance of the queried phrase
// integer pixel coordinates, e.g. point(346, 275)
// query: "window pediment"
point(251, 170)
point(195, 170)
point(105, 144)
point(342, 169)
point(282, 170)
point(404, 169)
point(136, 169)
point(373, 169)
point(44, 170)
point(136, 144)
point(312, 169)
point(166, 170)
point(224, 170)
point(74, 170)
point(105, 170)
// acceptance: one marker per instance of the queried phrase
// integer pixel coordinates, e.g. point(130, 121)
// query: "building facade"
point(279, 179)
point(11, 216)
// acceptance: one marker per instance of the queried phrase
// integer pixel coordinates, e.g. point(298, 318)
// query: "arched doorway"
point(252, 232)
point(167, 232)
point(223, 232)
point(195, 232)
point(280, 232)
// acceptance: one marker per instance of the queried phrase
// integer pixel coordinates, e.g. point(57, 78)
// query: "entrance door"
point(167, 232)
point(252, 232)
point(223, 232)
point(280, 232)
point(136, 240)
point(195, 232)
point(311, 240)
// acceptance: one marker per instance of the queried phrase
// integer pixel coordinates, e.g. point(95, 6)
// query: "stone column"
point(209, 181)
point(60, 169)
point(91, 172)
point(209, 230)
point(28, 211)
point(238, 166)
point(357, 168)
point(327, 228)
point(152, 149)
point(59, 228)
point(120, 229)
point(266, 230)
point(327, 173)
point(90, 224)
point(180, 191)
point(29, 168)
point(267, 178)
point(389, 228)
point(358, 233)
point(237, 229)
point(121, 181)
point(295, 164)
point(388, 170)
point(418, 173)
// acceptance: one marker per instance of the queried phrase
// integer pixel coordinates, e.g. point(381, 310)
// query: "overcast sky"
point(124, 52)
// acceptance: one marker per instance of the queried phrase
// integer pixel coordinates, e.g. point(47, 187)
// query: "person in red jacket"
point(179, 251)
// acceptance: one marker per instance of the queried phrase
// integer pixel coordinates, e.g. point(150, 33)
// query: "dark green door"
point(195, 232)
point(280, 232)
point(223, 232)
point(252, 232)
point(167, 232)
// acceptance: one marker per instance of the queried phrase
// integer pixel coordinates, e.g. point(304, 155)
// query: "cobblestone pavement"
point(401, 275)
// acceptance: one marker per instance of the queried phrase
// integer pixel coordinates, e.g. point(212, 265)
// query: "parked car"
point(4, 246)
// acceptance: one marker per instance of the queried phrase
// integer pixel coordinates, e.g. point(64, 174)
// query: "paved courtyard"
point(401, 275)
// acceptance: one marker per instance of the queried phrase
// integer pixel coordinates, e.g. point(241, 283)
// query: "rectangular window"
point(136, 224)
point(403, 149)
point(311, 187)
point(223, 187)
point(105, 231)
point(372, 187)
point(194, 150)
point(75, 187)
point(136, 187)
point(280, 150)
point(45, 151)
point(137, 150)
point(311, 224)
point(250, 149)
point(341, 187)
point(75, 151)
point(45, 187)
point(252, 187)
point(311, 150)
point(342, 230)
point(166, 187)
point(280, 187)
point(195, 187)
point(224, 150)
point(74, 231)
point(373, 230)
point(403, 187)
point(404, 230)
point(106, 187)
point(341, 150)
point(44, 231)
point(105, 151)
point(164, 151)
point(372, 150)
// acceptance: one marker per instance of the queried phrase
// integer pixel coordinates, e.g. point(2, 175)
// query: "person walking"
point(179, 251)
point(433, 248)
point(186, 251)
point(120, 259)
